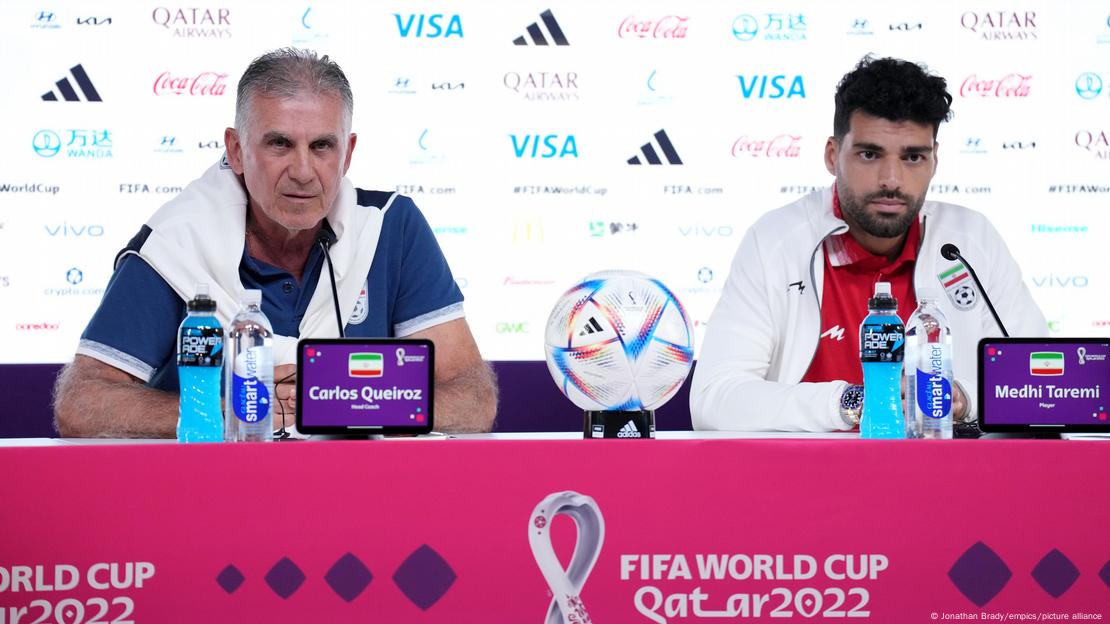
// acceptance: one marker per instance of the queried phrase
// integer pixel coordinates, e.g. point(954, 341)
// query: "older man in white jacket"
point(778, 353)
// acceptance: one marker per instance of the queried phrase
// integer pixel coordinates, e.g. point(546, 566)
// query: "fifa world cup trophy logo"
point(566, 585)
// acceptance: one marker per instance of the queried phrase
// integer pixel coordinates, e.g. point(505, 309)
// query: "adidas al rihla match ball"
point(619, 341)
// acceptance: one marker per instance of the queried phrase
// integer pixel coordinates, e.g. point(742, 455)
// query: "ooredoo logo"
point(37, 326)
point(666, 27)
point(1008, 86)
point(204, 83)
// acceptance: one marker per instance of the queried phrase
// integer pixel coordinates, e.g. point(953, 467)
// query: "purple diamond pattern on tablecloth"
point(979, 574)
point(229, 579)
point(348, 577)
point(424, 577)
point(1055, 573)
point(285, 578)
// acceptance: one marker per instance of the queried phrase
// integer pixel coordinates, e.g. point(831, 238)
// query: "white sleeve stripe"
point(431, 319)
point(114, 357)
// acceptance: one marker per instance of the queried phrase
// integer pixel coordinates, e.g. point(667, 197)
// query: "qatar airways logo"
point(1095, 142)
point(666, 27)
point(781, 146)
point(202, 84)
point(1001, 25)
point(1008, 86)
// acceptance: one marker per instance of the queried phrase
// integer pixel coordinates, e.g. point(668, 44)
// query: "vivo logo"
point(703, 231)
point(1052, 280)
point(512, 328)
point(429, 26)
point(68, 230)
point(528, 146)
point(757, 86)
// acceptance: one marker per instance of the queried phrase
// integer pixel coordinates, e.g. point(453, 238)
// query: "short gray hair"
point(288, 72)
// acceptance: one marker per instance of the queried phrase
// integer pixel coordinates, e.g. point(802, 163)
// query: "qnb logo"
point(422, 26)
point(203, 84)
point(1009, 86)
point(1001, 25)
point(68, 93)
point(1088, 85)
point(762, 86)
point(544, 146)
point(94, 21)
point(651, 156)
point(780, 146)
point(1052, 280)
point(536, 34)
point(424, 577)
point(666, 27)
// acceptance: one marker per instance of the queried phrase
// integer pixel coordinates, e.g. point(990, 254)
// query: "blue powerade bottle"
point(882, 341)
point(200, 359)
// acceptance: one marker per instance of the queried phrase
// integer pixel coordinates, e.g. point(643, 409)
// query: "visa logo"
point(528, 146)
point(66, 229)
point(757, 86)
point(429, 26)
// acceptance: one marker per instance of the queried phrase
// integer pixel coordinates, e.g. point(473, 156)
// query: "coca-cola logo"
point(666, 27)
point(1092, 140)
point(1009, 86)
point(781, 146)
point(204, 83)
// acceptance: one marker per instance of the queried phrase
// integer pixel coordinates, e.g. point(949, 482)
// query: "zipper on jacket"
point(813, 281)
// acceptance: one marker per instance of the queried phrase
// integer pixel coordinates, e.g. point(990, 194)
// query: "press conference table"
point(689, 527)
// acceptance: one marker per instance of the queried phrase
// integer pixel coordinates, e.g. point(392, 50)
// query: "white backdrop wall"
point(448, 108)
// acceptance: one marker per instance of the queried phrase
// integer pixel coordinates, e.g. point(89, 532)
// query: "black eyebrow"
point(913, 149)
point(274, 135)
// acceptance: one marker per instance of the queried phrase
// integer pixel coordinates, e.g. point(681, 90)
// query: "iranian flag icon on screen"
point(1046, 363)
point(365, 365)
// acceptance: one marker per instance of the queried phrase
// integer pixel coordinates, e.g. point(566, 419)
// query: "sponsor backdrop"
point(545, 141)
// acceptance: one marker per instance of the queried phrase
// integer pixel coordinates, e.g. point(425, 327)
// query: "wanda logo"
point(1009, 86)
point(667, 27)
point(781, 146)
point(204, 83)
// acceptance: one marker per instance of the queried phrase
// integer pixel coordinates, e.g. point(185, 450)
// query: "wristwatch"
point(851, 404)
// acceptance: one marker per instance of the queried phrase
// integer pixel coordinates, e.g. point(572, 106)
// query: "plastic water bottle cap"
point(882, 289)
point(252, 296)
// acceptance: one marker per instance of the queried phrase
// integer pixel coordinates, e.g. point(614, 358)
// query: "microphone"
point(324, 240)
point(952, 252)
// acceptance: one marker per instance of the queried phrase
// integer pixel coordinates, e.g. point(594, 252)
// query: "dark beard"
point(877, 225)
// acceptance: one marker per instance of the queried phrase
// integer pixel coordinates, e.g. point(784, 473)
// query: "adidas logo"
point(652, 157)
point(592, 327)
point(629, 431)
point(67, 91)
point(536, 33)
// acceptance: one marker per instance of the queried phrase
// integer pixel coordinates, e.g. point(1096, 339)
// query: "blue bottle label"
point(250, 398)
point(882, 342)
point(934, 390)
point(201, 346)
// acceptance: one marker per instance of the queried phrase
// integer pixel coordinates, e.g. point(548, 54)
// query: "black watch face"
point(852, 398)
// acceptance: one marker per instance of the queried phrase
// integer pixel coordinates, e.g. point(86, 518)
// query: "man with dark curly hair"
point(782, 348)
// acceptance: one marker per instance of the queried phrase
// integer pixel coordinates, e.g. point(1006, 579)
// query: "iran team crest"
point(959, 287)
point(362, 306)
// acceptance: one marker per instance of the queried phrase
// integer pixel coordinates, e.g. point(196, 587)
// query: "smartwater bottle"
point(928, 371)
point(882, 338)
point(200, 358)
point(249, 378)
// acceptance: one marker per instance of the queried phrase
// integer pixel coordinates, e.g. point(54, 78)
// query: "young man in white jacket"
point(782, 348)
